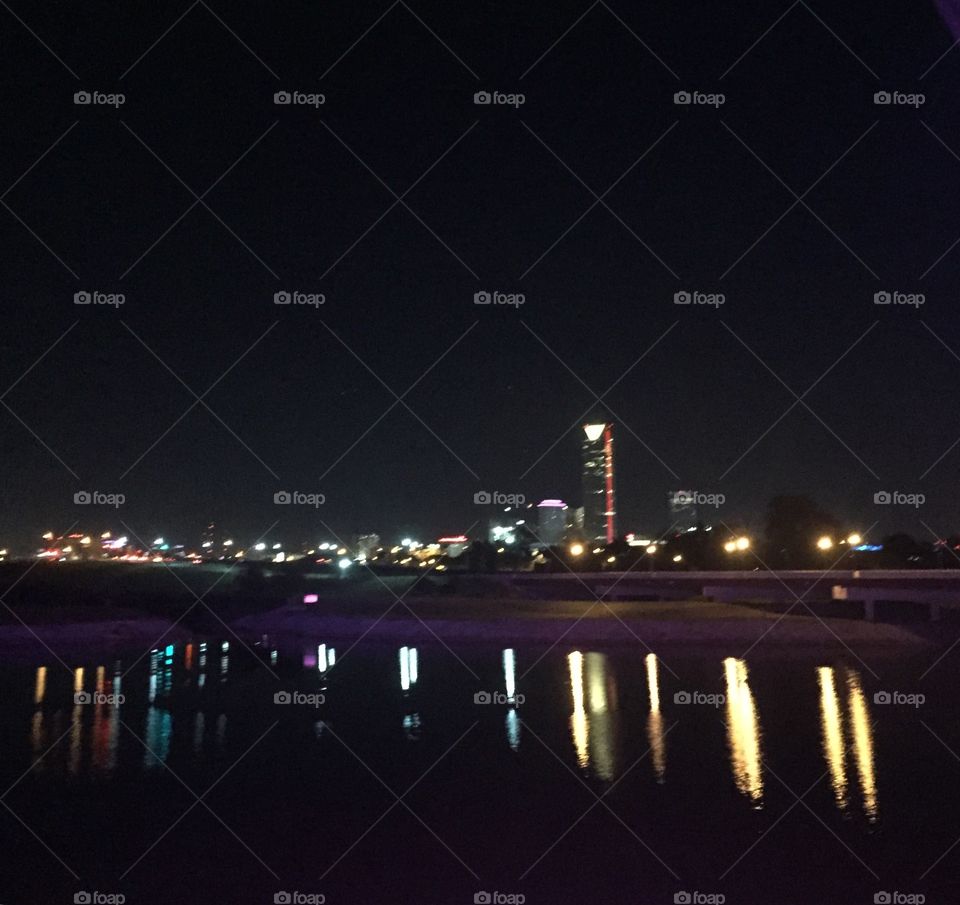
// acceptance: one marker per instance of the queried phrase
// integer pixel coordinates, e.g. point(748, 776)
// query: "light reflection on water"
point(862, 744)
point(743, 732)
point(91, 731)
point(834, 747)
point(594, 722)
point(837, 740)
point(655, 734)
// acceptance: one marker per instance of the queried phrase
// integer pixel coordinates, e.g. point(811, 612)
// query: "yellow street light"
point(652, 549)
point(743, 543)
point(576, 549)
point(730, 546)
point(825, 543)
point(854, 539)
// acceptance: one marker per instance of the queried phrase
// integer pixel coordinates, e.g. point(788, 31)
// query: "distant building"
point(366, 545)
point(683, 509)
point(599, 510)
point(551, 521)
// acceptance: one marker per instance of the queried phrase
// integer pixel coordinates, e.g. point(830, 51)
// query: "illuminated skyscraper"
point(551, 521)
point(683, 509)
point(599, 510)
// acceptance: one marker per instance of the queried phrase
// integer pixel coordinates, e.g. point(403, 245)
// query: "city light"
point(854, 539)
point(825, 543)
point(593, 431)
point(576, 549)
point(678, 558)
point(730, 546)
point(344, 563)
point(743, 543)
point(652, 549)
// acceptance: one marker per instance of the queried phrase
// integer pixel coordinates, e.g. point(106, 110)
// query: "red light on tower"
point(610, 513)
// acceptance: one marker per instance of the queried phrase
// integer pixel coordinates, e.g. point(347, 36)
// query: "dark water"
point(597, 784)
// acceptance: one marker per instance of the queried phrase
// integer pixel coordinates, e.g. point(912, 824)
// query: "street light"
point(650, 551)
point(854, 539)
point(576, 549)
point(737, 544)
point(825, 543)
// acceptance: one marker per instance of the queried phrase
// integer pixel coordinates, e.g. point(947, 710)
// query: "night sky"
point(300, 199)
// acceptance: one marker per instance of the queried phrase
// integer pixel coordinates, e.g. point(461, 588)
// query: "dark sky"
point(294, 214)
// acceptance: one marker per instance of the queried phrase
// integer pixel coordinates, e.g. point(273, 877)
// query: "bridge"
point(863, 591)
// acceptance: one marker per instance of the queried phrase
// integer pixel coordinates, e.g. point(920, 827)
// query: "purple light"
point(552, 503)
point(310, 598)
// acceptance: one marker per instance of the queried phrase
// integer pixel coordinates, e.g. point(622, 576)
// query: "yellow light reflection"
point(40, 689)
point(601, 703)
point(831, 723)
point(862, 744)
point(743, 732)
point(655, 733)
point(579, 724)
point(593, 723)
point(76, 730)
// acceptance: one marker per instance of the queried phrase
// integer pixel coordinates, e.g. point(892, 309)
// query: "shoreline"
point(789, 632)
point(687, 624)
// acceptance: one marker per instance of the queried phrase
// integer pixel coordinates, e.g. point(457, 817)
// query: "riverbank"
point(372, 612)
point(688, 623)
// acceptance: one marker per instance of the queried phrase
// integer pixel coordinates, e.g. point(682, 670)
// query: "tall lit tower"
point(599, 509)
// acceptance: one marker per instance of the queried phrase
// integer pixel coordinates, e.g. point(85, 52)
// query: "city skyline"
point(305, 395)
